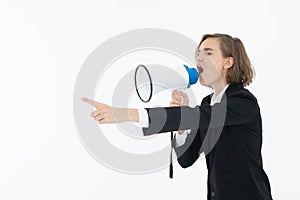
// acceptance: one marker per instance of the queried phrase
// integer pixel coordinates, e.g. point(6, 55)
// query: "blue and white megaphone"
point(152, 79)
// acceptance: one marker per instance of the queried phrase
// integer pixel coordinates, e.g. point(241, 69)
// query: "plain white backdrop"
point(42, 47)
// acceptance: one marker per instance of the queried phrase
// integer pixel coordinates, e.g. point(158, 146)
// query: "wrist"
point(127, 114)
point(133, 115)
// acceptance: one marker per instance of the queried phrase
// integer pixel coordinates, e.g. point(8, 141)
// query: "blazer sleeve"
point(238, 108)
point(189, 152)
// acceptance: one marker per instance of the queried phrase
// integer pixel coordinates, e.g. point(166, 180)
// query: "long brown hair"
point(242, 70)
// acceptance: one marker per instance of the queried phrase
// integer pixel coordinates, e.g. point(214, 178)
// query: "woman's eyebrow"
point(206, 49)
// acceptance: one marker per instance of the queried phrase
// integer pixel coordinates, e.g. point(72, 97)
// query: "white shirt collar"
point(217, 98)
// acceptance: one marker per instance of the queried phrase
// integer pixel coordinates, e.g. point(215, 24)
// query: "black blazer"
point(230, 135)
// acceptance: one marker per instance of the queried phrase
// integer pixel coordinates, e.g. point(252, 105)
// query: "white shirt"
point(180, 139)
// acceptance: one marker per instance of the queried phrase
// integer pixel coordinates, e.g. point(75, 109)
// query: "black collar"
point(233, 87)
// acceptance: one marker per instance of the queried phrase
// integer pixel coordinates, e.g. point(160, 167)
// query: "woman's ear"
point(228, 62)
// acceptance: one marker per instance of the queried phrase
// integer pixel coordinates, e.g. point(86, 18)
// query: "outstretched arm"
point(106, 114)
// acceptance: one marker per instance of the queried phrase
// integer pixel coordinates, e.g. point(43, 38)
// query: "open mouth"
point(200, 69)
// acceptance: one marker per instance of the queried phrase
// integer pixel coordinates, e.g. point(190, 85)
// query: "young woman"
point(226, 126)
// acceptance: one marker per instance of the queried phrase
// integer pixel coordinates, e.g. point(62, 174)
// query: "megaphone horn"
point(155, 78)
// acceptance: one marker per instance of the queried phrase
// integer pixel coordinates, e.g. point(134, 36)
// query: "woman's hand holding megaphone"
point(179, 98)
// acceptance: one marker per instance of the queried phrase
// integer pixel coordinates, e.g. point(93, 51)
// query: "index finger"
point(90, 101)
point(183, 93)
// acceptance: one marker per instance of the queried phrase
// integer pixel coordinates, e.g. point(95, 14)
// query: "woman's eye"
point(208, 53)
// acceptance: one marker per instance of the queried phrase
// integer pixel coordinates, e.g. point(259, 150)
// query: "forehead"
point(212, 43)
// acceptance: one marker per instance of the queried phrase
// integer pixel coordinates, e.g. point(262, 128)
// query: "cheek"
point(214, 67)
point(210, 75)
point(212, 70)
point(214, 61)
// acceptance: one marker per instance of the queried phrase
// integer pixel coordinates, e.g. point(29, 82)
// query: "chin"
point(202, 82)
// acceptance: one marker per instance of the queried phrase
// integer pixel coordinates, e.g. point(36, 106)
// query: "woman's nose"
point(199, 58)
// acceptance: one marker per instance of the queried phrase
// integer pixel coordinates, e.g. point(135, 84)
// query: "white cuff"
point(180, 139)
point(143, 117)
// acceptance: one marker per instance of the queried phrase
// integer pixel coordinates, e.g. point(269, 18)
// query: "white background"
point(42, 47)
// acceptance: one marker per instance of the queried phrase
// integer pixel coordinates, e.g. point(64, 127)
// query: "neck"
point(218, 87)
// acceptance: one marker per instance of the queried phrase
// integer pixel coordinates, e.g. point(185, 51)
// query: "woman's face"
point(210, 63)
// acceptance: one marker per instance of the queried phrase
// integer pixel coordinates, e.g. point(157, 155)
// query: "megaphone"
point(155, 78)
